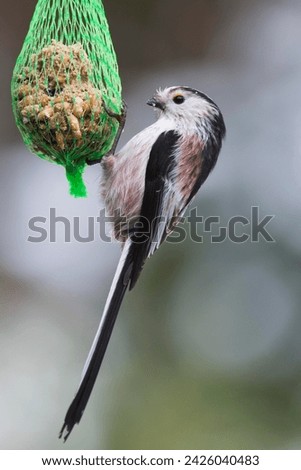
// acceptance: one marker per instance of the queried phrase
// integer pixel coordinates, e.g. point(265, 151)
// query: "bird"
point(146, 187)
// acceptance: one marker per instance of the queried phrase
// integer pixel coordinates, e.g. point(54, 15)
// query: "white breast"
point(124, 173)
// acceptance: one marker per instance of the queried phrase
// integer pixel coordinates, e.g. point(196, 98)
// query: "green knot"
point(74, 174)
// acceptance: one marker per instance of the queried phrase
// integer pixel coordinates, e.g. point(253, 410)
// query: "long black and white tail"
point(118, 288)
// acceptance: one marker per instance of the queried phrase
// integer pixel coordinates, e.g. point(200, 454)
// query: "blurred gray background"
point(206, 352)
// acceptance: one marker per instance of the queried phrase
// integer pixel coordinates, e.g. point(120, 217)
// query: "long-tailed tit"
point(149, 184)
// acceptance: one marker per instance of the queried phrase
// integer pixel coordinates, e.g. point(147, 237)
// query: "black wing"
point(158, 178)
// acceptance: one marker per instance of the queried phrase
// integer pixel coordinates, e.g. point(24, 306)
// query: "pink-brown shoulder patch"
point(189, 165)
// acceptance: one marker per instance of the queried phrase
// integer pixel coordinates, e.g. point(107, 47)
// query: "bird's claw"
point(121, 118)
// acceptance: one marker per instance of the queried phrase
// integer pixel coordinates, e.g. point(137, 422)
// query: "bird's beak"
point(156, 103)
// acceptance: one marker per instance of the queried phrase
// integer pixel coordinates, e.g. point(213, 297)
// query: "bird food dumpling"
point(66, 88)
point(58, 103)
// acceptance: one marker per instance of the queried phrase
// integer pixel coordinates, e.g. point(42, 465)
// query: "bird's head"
point(187, 105)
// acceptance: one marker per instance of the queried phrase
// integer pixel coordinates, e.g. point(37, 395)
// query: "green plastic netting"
point(66, 71)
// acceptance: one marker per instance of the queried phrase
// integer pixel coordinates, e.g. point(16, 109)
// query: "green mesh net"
point(65, 80)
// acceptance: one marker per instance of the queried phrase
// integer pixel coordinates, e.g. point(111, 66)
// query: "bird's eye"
point(179, 99)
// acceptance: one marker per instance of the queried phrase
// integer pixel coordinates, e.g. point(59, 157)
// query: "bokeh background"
point(206, 352)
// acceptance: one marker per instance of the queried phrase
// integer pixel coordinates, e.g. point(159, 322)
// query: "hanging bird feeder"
point(66, 88)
